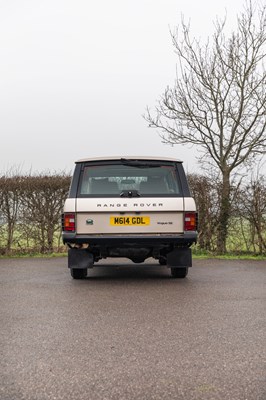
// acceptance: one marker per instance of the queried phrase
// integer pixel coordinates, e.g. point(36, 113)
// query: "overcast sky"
point(77, 75)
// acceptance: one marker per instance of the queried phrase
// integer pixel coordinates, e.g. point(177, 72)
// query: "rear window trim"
point(115, 196)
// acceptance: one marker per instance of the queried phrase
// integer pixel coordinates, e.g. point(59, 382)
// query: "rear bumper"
point(131, 240)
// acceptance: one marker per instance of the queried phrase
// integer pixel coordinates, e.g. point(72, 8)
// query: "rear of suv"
point(133, 207)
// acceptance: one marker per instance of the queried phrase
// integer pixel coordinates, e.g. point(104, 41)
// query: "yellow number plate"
point(124, 220)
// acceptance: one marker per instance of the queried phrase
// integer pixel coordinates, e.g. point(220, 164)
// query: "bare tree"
point(43, 198)
point(219, 98)
point(10, 202)
point(205, 191)
point(252, 208)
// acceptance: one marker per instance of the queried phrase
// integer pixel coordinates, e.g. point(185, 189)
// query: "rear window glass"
point(117, 180)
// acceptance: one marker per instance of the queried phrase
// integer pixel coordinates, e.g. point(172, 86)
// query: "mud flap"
point(179, 258)
point(79, 258)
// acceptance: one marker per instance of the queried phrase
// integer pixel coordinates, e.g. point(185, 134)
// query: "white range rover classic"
point(133, 207)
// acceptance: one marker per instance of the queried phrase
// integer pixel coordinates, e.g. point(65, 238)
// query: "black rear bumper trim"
point(179, 239)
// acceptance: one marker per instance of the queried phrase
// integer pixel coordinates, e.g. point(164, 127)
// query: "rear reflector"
point(69, 222)
point(190, 222)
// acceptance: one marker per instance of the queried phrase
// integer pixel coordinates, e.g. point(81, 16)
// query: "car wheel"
point(162, 261)
point(179, 273)
point(78, 273)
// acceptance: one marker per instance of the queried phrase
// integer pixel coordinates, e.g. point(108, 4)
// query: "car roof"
point(128, 158)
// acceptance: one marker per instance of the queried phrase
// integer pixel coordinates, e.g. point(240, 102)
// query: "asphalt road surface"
point(132, 332)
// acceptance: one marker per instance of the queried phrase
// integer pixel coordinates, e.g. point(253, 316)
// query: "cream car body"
point(135, 207)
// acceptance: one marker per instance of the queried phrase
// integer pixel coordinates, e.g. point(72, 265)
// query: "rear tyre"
point(162, 261)
point(78, 273)
point(179, 273)
point(138, 260)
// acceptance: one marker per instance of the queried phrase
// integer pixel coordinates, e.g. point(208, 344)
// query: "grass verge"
point(196, 254)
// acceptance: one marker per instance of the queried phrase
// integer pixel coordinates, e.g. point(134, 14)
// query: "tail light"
point(69, 222)
point(190, 222)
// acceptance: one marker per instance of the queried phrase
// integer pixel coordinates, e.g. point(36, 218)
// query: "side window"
point(98, 186)
point(103, 186)
point(154, 184)
point(85, 184)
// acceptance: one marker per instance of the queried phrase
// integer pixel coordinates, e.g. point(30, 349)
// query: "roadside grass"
point(196, 255)
point(201, 255)
point(30, 254)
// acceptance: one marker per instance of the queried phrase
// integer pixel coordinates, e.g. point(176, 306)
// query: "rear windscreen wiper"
point(140, 164)
point(129, 193)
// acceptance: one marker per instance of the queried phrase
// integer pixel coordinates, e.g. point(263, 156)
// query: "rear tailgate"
point(145, 215)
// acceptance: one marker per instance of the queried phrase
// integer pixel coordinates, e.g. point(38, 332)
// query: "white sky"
point(77, 75)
